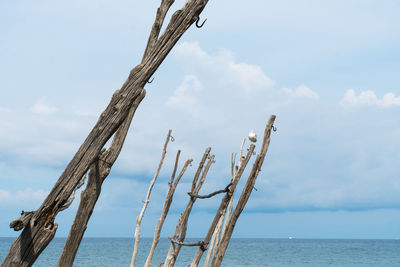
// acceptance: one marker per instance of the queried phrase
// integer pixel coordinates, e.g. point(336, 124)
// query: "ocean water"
point(241, 252)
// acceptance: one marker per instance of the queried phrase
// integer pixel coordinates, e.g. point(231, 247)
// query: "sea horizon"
point(116, 251)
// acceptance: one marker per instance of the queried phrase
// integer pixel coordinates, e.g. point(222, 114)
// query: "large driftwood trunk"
point(41, 228)
point(98, 173)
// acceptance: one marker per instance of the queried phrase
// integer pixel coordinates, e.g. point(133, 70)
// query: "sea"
point(241, 252)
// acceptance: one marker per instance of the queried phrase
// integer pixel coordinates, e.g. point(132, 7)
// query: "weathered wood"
point(22, 253)
point(181, 227)
point(167, 204)
point(223, 205)
point(196, 244)
point(22, 221)
point(220, 252)
point(147, 200)
point(99, 171)
point(155, 29)
point(214, 239)
point(211, 194)
point(225, 216)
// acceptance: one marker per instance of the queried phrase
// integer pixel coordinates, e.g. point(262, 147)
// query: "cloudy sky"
point(327, 69)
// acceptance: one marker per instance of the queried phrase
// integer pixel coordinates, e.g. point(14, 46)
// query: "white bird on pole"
point(252, 136)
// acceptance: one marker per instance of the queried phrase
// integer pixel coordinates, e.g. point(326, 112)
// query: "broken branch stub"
point(22, 221)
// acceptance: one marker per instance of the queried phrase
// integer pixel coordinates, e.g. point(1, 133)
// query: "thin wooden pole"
point(219, 254)
point(167, 204)
point(146, 202)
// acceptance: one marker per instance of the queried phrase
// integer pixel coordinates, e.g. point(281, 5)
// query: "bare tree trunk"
point(41, 229)
point(219, 254)
point(167, 205)
point(146, 202)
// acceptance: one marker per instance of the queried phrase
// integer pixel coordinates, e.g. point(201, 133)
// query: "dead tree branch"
point(167, 203)
point(224, 203)
point(219, 254)
point(216, 237)
point(22, 221)
point(181, 227)
point(197, 244)
point(211, 194)
point(146, 202)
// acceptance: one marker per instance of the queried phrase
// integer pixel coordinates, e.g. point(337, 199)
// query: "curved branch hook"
point(150, 81)
point(197, 22)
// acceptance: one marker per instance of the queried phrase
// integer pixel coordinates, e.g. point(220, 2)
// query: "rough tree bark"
point(41, 228)
point(92, 192)
point(97, 174)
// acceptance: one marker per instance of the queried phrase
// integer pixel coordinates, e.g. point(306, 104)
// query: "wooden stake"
point(146, 202)
point(166, 206)
point(181, 227)
point(224, 203)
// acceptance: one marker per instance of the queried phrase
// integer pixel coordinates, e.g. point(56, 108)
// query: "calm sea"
point(241, 252)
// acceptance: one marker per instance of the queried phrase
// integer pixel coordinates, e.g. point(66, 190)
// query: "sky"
point(327, 69)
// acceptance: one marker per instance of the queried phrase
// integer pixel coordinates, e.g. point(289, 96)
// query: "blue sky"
point(328, 70)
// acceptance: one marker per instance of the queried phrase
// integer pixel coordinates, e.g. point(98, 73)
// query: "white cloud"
point(4, 195)
point(223, 64)
point(301, 91)
point(368, 97)
point(184, 97)
point(216, 103)
point(27, 198)
point(41, 108)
